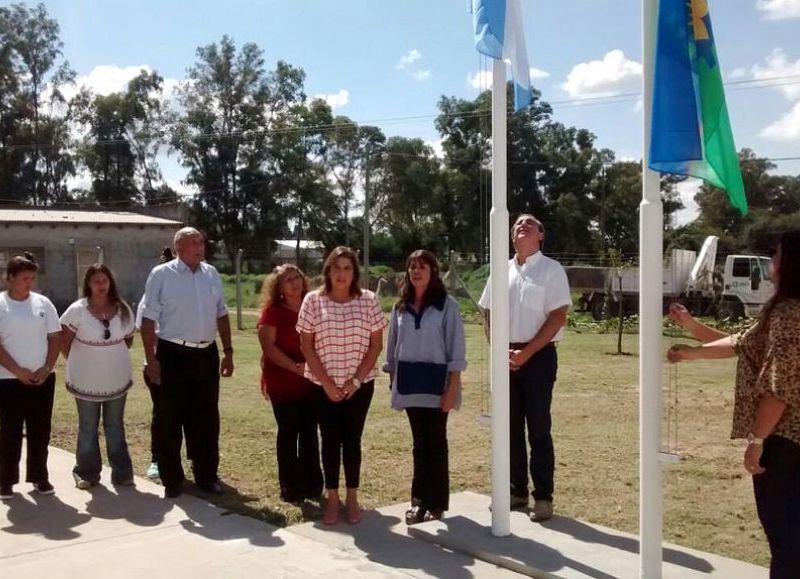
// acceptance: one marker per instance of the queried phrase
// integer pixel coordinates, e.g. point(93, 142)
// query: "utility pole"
point(365, 250)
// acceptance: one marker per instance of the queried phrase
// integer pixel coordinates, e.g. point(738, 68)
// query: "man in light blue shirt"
point(184, 301)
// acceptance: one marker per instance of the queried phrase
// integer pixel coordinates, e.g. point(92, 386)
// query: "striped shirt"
point(341, 332)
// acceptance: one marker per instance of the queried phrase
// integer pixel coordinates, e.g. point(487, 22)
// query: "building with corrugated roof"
point(66, 243)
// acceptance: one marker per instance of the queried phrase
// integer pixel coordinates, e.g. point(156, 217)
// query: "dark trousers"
point(31, 407)
point(531, 393)
point(430, 487)
point(777, 492)
point(189, 402)
point(297, 445)
point(155, 419)
point(341, 425)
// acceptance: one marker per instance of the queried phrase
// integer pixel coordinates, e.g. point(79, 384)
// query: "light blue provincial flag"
point(499, 35)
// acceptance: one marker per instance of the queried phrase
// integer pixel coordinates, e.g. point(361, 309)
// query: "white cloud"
point(738, 73)
point(410, 64)
point(105, 79)
point(482, 80)
point(687, 190)
point(787, 128)
point(538, 73)
point(778, 65)
point(420, 75)
point(437, 147)
point(610, 76)
point(409, 59)
point(779, 9)
point(180, 187)
point(81, 180)
point(335, 100)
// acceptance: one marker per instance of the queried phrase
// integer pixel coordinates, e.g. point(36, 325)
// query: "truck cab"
point(746, 285)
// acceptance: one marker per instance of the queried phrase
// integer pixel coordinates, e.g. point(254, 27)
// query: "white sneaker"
point(152, 470)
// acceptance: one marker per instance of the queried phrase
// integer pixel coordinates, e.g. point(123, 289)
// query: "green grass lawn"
point(707, 497)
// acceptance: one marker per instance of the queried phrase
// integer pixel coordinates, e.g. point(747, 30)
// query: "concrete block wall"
point(130, 251)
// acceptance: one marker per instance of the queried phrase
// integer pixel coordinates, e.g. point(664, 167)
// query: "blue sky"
point(389, 59)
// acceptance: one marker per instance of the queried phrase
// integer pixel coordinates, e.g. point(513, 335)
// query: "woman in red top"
point(284, 384)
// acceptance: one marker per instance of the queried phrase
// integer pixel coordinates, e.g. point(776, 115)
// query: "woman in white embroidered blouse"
point(97, 331)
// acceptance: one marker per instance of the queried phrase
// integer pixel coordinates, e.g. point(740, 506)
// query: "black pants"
point(430, 487)
point(31, 406)
point(155, 419)
point(777, 492)
point(341, 425)
point(531, 393)
point(297, 445)
point(189, 402)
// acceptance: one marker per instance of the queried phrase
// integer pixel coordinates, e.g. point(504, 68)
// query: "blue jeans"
point(88, 461)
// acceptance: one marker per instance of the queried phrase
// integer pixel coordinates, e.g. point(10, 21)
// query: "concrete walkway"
point(565, 547)
point(132, 532)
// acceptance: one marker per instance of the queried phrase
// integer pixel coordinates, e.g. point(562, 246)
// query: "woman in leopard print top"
point(767, 401)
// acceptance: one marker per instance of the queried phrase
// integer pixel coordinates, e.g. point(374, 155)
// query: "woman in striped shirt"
point(341, 336)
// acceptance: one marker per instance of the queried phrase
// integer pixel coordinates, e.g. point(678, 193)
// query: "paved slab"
point(383, 538)
point(133, 533)
point(565, 547)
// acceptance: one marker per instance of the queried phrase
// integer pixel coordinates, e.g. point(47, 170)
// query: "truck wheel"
point(598, 307)
point(731, 310)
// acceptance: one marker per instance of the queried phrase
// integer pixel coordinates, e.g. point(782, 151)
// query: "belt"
point(521, 345)
point(188, 344)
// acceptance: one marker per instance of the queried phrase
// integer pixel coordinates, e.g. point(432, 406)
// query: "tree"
point(123, 136)
point(551, 173)
point(619, 195)
point(34, 161)
point(412, 214)
point(231, 107)
point(349, 148)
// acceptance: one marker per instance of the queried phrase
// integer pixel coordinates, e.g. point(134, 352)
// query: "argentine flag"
point(499, 35)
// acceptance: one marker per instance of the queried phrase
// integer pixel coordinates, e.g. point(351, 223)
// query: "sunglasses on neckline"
point(107, 331)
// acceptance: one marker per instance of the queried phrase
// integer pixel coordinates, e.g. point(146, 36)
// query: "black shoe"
point(214, 488)
point(172, 492)
point(44, 488)
point(519, 502)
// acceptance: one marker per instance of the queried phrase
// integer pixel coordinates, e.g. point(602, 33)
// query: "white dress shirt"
point(184, 304)
point(535, 288)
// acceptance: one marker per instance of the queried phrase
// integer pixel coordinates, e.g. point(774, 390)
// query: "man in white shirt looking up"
point(539, 299)
point(184, 300)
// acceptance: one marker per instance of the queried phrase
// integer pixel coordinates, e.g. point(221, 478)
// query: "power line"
point(767, 82)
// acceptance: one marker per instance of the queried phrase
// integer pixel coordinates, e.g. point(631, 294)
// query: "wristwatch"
point(753, 439)
point(356, 382)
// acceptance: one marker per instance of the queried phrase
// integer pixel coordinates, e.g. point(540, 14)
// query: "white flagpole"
point(651, 243)
point(499, 239)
